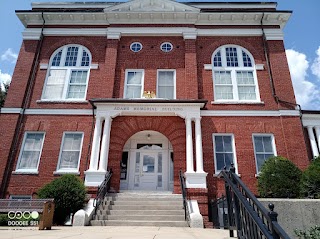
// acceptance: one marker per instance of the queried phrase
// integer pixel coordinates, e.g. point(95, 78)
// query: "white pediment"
point(152, 6)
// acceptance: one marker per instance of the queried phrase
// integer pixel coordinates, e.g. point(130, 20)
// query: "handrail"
point(251, 218)
point(102, 190)
point(184, 194)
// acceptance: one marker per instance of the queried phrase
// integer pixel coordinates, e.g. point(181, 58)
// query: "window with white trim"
point(70, 152)
point(68, 74)
point(234, 75)
point(264, 148)
point(136, 47)
point(166, 84)
point(224, 151)
point(166, 47)
point(30, 152)
point(133, 84)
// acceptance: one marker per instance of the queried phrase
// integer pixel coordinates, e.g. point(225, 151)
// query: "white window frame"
point(273, 144)
point(29, 171)
point(75, 170)
point(233, 149)
point(126, 79)
point(69, 70)
point(138, 43)
point(174, 81)
point(166, 43)
point(233, 71)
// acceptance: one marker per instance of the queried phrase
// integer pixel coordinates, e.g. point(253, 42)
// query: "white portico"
point(108, 109)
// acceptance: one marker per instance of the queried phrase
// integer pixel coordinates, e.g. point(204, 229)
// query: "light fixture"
point(148, 136)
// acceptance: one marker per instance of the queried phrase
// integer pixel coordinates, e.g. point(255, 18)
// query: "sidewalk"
point(113, 233)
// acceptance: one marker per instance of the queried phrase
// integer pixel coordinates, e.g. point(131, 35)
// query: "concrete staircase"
point(141, 209)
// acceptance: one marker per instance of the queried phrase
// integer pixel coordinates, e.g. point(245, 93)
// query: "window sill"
point(75, 172)
point(215, 175)
point(62, 101)
point(17, 172)
point(237, 102)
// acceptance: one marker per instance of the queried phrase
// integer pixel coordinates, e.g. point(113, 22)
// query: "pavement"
point(112, 232)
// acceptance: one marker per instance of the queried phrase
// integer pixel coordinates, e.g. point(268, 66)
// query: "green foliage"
point(310, 182)
point(69, 196)
point(4, 219)
point(3, 93)
point(312, 233)
point(279, 178)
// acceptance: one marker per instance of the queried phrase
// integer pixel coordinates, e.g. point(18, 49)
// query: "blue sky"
point(302, 42)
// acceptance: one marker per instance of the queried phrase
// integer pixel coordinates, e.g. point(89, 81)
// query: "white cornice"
point(117, 32)
point(311, 119)
point(196, 18)
point(250, 113)
point(10, 110)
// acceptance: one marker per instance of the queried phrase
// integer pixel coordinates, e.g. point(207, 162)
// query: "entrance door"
point(148, 171)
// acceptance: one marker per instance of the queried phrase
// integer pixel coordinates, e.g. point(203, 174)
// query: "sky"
point(302, 43)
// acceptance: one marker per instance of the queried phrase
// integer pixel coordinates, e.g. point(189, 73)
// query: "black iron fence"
point(240, 210)
point(102, 190)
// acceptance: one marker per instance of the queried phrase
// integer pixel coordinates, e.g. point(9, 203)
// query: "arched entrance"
point(147, 163)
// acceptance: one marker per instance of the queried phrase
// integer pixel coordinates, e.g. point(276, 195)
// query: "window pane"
point(217, 59)
point(224, 92)
point(69, 160)
point(166, 92)
point(247, 92)
point(134, 78)
point(79, 77)
point(267, 144)
point(245, 78)
point(85, 61)
point(218, 144)
point(260, 160)
point(227, 143)
point(133, 92)
point(258, 144)
point(222, 77)
point(228, 160)
point(55, 84)
point(70, 154)
point(148, 164)
point(56, 59)
point(72, 55)
point(137, 167)
point(220, 161)
point(29, 160)
point(232, 56)
point(165, 78)
point(246, 60)
point(159, 162)
point(72, 142)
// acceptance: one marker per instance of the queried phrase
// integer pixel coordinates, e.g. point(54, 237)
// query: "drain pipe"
point(91, 136)
point(274, 94)
point(21, 118)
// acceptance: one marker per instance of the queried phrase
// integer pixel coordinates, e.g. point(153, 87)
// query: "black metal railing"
point(219, 214)
point(250, 218)
point(102, 190)
point(184, 194)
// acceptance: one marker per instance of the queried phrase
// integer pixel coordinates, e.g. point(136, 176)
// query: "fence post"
point(274, 218)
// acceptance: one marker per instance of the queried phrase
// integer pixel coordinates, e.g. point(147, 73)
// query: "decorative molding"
point(237, 102)
point(189, 35)
point(94, 66)
point(250, 113)
point(44, 66)
point(259, 67)
point(113, 35)
point(10, 110)
point(311, 120)
point(208, 67)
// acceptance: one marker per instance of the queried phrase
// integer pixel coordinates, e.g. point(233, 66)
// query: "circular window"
point(136, 47)
point(166, 47)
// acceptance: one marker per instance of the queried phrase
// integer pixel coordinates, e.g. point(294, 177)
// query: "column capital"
point(113, 35)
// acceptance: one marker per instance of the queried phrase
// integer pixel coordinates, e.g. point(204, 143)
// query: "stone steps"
point(141, 209)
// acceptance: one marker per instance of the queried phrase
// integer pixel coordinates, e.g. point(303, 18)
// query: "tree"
point(310, 182)
point(69, 195)
point(279, 178)
point(3, 93)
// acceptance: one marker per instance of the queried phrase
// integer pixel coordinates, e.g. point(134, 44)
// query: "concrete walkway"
point(113, 233)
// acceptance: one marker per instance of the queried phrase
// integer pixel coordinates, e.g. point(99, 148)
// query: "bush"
point(4, 219)
point(69, 196)
point(310, 182)
point(313, 233)
point(279, 178)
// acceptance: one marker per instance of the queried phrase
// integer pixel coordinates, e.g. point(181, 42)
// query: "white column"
point(105, 145)
point(199, 153)
point(95, 145)
point(314, 147)
point(189, 146)
point(317, 128)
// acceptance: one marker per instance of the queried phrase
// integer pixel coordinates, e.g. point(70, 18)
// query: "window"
point(224, 151)
point(264, 148)
point(166, 84)
point(234, 75)
point(136, 47)
point(70, 152)
point(21, 197)
point(133, 84)
point(30, 152)
point(68, 74)
point(166, 47)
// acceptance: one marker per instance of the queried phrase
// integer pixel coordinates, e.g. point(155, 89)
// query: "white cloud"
point(307, 93)
point(315, 68)
point(9, 55)
point(4, 78)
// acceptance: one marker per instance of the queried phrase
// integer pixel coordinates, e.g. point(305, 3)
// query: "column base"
point(196, 180)
point(94, 178)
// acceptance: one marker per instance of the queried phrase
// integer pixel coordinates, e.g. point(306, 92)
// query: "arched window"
point(234, 75)
point(68, 74)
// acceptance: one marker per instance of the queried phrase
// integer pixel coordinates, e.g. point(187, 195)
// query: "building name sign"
point(148, 108)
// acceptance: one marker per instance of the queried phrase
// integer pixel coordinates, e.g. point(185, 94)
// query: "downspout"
point(91, 136)
point(21, 118)
point(274, 94)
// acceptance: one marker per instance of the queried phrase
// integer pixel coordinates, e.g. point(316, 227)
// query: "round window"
point(166, 47)
point(136, 47)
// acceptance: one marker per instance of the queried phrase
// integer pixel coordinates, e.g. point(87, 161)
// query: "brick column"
point(191, 75)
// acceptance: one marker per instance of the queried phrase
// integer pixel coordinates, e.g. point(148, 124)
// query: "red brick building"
point(147, 88)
